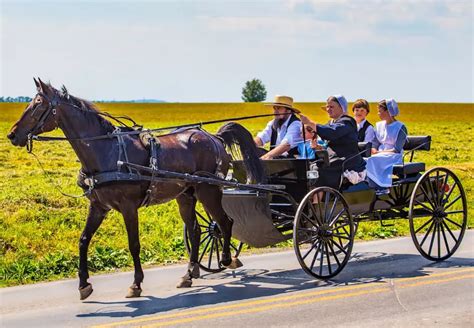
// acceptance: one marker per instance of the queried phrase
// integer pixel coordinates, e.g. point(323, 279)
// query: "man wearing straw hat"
point(283, 132)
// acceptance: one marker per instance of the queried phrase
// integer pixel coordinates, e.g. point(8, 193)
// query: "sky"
point(204, 51)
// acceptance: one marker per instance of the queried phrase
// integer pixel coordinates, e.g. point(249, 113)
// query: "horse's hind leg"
point(211, 199)
point(95, 217)
point(187, 209)
point(130, 216)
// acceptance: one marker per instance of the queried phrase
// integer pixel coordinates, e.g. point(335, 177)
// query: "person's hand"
point(266, 157)
point(315, 145)
point(373, 151)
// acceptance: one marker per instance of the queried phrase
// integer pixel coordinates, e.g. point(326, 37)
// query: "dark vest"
point(293, 151)
point(362, 131)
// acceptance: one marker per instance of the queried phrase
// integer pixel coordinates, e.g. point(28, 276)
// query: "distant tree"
point(254, 91)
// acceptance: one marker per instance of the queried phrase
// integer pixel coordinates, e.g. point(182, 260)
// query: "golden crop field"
point(40, 229)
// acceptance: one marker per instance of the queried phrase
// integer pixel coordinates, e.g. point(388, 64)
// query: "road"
point(386, 283)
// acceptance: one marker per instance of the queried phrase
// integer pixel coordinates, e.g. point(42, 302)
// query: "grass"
point(40, 229)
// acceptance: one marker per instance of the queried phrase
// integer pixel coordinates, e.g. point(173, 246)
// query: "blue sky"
point(204, 51)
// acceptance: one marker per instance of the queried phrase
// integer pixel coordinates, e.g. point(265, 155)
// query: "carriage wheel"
point(323, 233)
point(438, 214)
point(211, 243)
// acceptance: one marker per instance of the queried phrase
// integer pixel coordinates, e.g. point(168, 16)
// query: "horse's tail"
point(233, 135)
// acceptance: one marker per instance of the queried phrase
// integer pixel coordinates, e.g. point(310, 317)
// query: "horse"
point(187, 151)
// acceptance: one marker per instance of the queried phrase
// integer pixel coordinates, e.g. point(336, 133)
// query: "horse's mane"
point(85, 106)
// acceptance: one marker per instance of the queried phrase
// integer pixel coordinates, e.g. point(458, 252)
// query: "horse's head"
point(38, 117)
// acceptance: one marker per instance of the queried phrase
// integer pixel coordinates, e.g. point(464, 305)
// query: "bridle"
point(38, 127)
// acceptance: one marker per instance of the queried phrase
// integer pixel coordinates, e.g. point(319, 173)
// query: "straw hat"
point(284, 101)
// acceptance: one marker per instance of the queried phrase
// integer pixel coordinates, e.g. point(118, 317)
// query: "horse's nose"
point(11, 135)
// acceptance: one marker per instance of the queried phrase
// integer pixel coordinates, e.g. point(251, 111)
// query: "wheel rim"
point(323, 233)
point(438, 214)
point(211, 244)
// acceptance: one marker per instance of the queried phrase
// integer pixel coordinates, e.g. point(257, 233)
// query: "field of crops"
point(39, 228)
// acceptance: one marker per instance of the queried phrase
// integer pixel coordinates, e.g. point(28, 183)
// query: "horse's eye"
point(38, 100)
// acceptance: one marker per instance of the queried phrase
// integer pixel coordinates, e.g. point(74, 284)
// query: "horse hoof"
point(85, 291)
point(134, 291)
point(184, 283)
point(236, 263)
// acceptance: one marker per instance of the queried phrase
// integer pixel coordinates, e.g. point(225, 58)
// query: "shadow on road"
point(254, 283)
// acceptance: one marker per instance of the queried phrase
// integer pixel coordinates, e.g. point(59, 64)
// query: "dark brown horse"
point(188, 151)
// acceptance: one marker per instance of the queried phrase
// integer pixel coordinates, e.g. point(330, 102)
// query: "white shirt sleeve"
point(266, 134)
point(293, 134)
point(369, 134)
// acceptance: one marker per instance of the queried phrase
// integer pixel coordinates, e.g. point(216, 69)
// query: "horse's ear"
point(44, 87)
point(37, 84)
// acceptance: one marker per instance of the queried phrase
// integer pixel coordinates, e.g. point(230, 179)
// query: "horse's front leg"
point(95, 217)
point(187, 209)
point(130, 216)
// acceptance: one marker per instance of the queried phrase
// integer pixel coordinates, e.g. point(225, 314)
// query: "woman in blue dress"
point(387, 151)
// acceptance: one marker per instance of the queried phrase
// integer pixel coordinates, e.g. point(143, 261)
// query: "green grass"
point(40, 229)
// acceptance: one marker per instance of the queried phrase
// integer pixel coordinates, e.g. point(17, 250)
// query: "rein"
point(134, 132)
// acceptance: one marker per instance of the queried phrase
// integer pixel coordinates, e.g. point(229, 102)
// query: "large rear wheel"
point(211, 243)
point(323, 233)
point(438, 214)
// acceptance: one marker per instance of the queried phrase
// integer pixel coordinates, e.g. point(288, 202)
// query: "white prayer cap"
point(392, 107)
point(342, 102)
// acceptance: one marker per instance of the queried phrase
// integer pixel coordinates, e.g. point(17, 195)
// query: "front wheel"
point(211, 243)
point(323, 233)
point(438, 214)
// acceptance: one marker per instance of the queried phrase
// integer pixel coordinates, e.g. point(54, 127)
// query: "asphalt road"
point(386, 283)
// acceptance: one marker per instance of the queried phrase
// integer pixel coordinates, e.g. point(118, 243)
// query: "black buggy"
point(323, 231)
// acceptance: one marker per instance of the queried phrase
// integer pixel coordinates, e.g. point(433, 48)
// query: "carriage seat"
point(412, 168)
point(408, 168)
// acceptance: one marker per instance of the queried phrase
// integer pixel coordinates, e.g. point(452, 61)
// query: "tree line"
point(15, 99)
point(253, 91)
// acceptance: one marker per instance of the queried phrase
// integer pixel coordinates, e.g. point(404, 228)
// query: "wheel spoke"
point(340, 236)
point(424, 225)
point(204, 250)
point(451, 191)
point(315, 256)
point(431, 188)
point(310, 249)
point(321, 260)
point(452, 202)
point(332, 210)
point(424, 206)
point(432, 239)
point(339, 246)
point(233, 246)
point(217, 254)
point(327, 258)
point(210, 253)
point(326, 203)
point(439, 240)
point(338, 215)
point(205, 238)
point(444, 238)
point(455, 212)
point(311, 239)
point(427, 233)
point(450, 232)
point(203, 218)
point(313, 210)
point(310, 220)
point(455, 223)
point(445, 181)
point(334, 253)
point(427, 196)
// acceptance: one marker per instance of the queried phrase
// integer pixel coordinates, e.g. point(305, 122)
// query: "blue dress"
point(387, 137)
point(305, 151)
